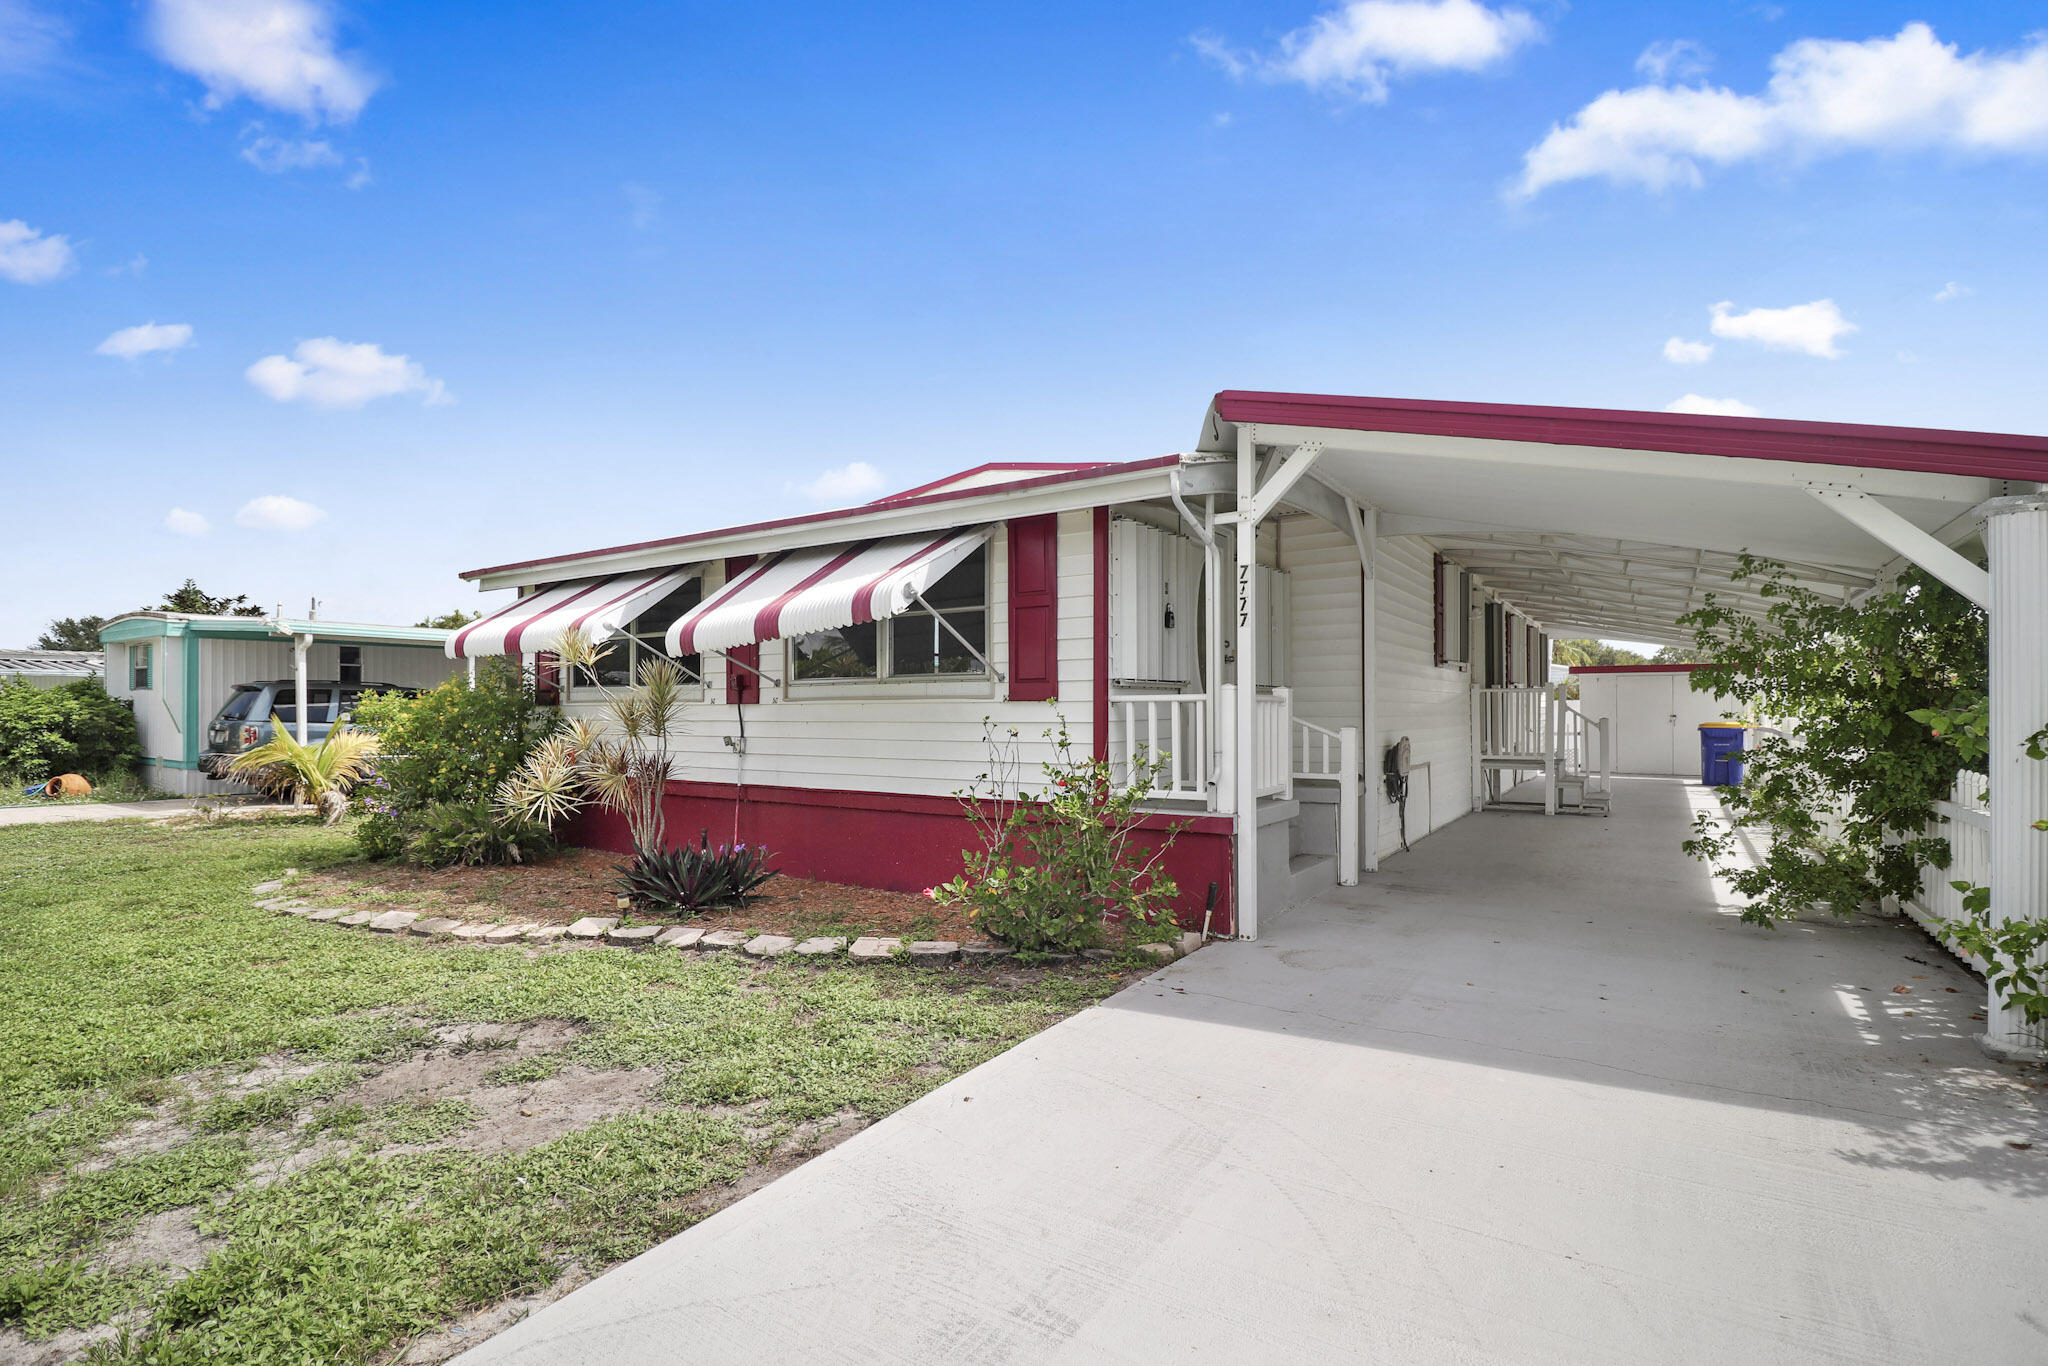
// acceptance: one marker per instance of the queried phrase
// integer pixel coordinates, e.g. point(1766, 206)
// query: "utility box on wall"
point(1155, 606)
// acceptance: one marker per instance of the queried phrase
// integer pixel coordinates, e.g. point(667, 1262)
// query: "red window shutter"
point(740, 684)
point(1034, 608)
point(547, 679)
point(1442, 655)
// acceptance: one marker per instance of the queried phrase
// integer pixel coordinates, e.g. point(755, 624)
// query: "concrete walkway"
point(1532, 1095)
point(56, 812)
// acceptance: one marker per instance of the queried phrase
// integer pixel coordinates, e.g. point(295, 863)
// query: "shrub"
point(450, 746)
point(696, 878)
point(323, 773)
point(76, 728)
point(470, 833)
point(1050, 871)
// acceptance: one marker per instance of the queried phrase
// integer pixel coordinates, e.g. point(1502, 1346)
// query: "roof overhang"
point(143, 625)
point(1061, 490)
point(1618, 523)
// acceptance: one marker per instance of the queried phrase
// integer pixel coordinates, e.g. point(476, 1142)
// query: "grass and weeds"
point(176, 1054)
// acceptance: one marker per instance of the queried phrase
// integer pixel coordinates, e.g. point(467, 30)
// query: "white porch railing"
point(1170, 729)
point(1319, 754)
point(1272, 714)
point(1538, 730)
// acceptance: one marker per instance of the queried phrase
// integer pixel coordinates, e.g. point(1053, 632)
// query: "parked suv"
point(243, 722)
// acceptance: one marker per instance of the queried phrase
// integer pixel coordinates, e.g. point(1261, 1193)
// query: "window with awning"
point(599, 608)
point(831, 598)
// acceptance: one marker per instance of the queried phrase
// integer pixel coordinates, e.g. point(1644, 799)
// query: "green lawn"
point(137, 982)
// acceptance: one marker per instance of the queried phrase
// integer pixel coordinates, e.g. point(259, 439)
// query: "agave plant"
point(692, 878)
point(321, 774)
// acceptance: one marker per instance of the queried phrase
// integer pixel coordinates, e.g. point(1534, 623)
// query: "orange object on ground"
point(67, 785)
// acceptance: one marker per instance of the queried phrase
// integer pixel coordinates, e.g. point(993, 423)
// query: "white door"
point(1646, 724)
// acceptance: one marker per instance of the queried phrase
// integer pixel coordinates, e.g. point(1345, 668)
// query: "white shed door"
point(1646, 724)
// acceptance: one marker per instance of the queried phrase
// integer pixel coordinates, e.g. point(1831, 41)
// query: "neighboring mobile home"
point(51, 668)
point(1380, 570)
point(177, 668)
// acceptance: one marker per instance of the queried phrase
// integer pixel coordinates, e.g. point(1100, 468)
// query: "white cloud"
point(1950, 292)
point(1824, 96)
point(134, 265)
point(186, 523)
point(846, 484)
point(28, 256)
point(1813, 328)
point(359, 178)
point(1679, 351)
point(1358, 47)
point(329, 373)
point(1680, 57)
point(277, 512)
point(275, 155)
point(644, 201)
point(1712, 407)
point(143, 338)
point(30, 39)
point(279, 53)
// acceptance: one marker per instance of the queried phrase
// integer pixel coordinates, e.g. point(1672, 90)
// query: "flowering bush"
point(1052, 869)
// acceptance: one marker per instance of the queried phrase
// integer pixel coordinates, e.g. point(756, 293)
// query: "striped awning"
point(596, 607)
point(824, 588)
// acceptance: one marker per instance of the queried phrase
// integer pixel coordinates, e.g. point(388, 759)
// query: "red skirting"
point(894, 842)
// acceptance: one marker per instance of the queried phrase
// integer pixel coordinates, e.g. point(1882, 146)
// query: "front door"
point(1646, 723)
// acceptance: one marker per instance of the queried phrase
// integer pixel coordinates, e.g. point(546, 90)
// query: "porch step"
point(1310, 875)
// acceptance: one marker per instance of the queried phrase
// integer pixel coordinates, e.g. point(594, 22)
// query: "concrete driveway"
point(1531, 1095)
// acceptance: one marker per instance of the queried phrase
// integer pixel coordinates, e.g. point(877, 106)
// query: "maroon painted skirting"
point(891, 841)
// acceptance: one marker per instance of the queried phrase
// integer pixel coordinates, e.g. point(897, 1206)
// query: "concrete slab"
point(1531, 1094)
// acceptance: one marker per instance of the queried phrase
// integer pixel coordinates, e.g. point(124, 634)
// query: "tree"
point(449, 621)
point(72, 633)
point(1679, 654)
point(1592, 652)
point(190, 597)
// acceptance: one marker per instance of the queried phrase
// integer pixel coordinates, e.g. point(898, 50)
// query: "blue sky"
point(371, 293)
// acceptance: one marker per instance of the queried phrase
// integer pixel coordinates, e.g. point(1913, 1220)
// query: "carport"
point(1616, 524)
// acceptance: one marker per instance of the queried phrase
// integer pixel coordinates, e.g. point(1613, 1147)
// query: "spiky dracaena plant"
point(623, 765)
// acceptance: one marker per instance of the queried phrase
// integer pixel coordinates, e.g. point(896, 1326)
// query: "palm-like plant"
point(321, 774)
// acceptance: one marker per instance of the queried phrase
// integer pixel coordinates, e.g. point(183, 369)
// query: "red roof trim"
point(1638, 668)
point(1982, 455)
point(983, 469)
point(1066, 475)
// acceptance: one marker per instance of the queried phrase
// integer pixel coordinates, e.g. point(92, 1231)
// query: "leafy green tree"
point(449, 621)
point(1847, 806)
point(190, 597)
point(72, 633)
point(1679, 654)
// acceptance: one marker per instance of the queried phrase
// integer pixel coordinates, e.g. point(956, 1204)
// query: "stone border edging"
point(604, 930)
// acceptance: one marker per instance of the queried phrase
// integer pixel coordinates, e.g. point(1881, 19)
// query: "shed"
point(177, 668)
point(1654, 712)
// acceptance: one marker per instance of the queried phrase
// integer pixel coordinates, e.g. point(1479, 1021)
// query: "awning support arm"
point(726, 655)
point(993, 671)
point(1921, 547)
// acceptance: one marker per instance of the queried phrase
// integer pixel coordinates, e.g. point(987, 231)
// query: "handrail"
point(1180, 748)
point(1319, 763)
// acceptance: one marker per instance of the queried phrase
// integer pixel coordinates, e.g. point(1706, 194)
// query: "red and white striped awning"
point(596, 607)
point(823, 588)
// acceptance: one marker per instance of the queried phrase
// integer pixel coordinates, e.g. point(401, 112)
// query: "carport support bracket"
point(1889, 528)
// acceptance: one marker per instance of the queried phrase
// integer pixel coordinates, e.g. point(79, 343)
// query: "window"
point(237, 707)
point(319, 705)
point(621, 659)
point(138, 668)
point(931, 640)
point(351, 663)
point(1453, 613)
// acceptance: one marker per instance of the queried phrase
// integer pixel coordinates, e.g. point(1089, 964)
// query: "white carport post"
point(300, 644)
point(1244, 730)
point(2016, 537)
point(1365, 531)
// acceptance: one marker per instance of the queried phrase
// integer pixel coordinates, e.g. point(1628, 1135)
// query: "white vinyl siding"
point(905, 737)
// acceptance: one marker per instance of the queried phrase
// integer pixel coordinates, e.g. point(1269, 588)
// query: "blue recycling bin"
point(1721, 753)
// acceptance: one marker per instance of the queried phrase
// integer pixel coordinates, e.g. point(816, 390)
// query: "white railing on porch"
point(1272, 715)
point(1319, 754)
point(1168, 729)
point(1538, 730)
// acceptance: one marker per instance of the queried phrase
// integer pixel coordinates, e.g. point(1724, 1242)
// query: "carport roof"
point(1619, 523)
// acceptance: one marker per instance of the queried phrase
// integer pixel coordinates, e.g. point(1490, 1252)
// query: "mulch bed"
point(580, 882)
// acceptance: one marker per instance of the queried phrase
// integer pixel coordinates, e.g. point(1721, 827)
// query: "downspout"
point(300, 644)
